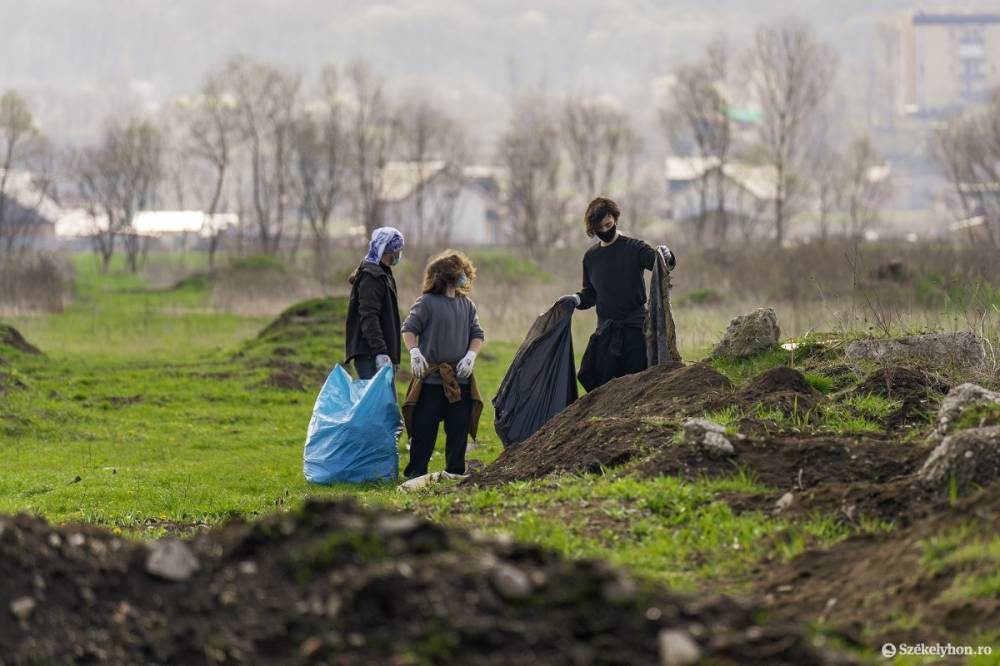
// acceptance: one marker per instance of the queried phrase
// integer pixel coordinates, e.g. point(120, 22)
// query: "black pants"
point(432, 408)
point(364, 365)
point(607, 358)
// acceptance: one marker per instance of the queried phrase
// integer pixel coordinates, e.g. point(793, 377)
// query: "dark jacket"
point(373, 313)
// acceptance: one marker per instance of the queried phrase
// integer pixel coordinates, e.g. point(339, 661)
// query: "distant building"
point(460, 206)
point(750, 188)
point(78, 223)
point(29, 213)
point(949, 60)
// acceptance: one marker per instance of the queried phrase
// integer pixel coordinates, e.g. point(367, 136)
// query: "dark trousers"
point(432, 408)
point(364, 365)
point(607, 358)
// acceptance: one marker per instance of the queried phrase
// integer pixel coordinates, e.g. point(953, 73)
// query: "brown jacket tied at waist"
point(452, 391)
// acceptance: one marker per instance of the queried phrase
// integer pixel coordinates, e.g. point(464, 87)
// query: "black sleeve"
point(647, 255)
point(588, 295)
point(371, 295)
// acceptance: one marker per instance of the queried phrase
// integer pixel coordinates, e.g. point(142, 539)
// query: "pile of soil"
point(300, 346)
point(780, 388)
point(860, 585)
point(336, 584)
point(919, 391)
point(11, 337)
point(793, 462)
point(610, 425)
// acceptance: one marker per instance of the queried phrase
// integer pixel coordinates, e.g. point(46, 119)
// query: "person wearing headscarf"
point(373, 337)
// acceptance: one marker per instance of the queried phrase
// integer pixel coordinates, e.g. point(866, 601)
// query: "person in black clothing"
point(373, 340)
point(614, 281)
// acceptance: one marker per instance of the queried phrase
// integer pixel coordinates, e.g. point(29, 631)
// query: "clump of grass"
point(820, 382)
point(699, 297)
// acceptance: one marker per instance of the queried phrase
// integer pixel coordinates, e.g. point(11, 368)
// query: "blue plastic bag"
point(353, 430)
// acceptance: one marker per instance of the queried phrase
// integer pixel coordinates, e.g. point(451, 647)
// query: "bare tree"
point(24, 180)
point(968, 151)
point(116, 180)
point(435, 146)
point(321, 148)
point(211, 133)
point(791, 74)
point(266, 100)
point(698, 122)
point(866, 186)
point(599, 141)
point(529, 149)
point(373, 128)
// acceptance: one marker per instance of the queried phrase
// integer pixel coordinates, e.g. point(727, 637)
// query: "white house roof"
point(758, 180)
point(79, 223)
point(401, 179)
point(24, 188)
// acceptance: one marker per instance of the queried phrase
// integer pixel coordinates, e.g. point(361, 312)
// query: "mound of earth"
point(793, 463)
point(780, 388)
point(300, 346)
point(892, 588)
point(919, 391)
point(11, 337)
point(610, 425)
point(336, 584)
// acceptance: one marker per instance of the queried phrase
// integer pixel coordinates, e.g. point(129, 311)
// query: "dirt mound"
point(793, 463)
point(918, 390)
point(11, 337)
point(781, 388)
point(891, 588)
point(300, 346)
point(336, 584)
point(610, 425)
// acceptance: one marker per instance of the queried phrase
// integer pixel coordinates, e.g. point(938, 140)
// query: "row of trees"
point(289, 155)
point(788, 76)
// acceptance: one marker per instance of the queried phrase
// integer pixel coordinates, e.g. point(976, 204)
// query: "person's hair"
point(597, 210)
point(444, 269)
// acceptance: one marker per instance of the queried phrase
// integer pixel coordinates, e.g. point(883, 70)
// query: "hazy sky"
point(78, 60)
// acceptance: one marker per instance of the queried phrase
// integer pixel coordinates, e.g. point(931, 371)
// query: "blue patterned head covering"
point(384, 239)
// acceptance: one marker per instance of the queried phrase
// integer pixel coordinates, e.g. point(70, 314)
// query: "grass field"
point(151, 414)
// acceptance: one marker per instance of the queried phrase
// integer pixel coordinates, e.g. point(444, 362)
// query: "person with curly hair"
point(373, 309)
point(443, 336)
point(614, 281)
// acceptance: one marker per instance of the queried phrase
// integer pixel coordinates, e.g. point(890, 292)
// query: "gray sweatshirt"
point(444, 328)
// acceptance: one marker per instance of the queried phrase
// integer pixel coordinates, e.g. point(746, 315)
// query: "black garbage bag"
point(541, 380)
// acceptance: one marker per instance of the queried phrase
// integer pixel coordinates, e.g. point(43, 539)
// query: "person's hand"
point(570, 301)
point(418, 364)
point(382, 360)
point(668, 256)
point(464, 367)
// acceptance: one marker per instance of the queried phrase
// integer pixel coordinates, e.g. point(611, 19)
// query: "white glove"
point(464, 367)
point(668, 257)
point(382, 360)
point(418, 364)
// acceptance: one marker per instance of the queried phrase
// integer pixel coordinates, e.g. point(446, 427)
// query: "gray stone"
point(708, 436)
point(22, 607)
point(784, 502)
point(511, 583)
point(619, 591)
point(749, 334)
point(939, 350)
point(677, 648)
point(171, 560)
point(970, 457)
point(959, 400)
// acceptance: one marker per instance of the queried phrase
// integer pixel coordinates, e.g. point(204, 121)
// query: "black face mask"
point(606, 236)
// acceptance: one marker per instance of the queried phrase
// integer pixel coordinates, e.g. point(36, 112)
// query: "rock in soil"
point(171, 560)
point(677, 648)
point(961, 350)
point(749, 334)
point(967, 459)
point(334, 583)
point(959, 400)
